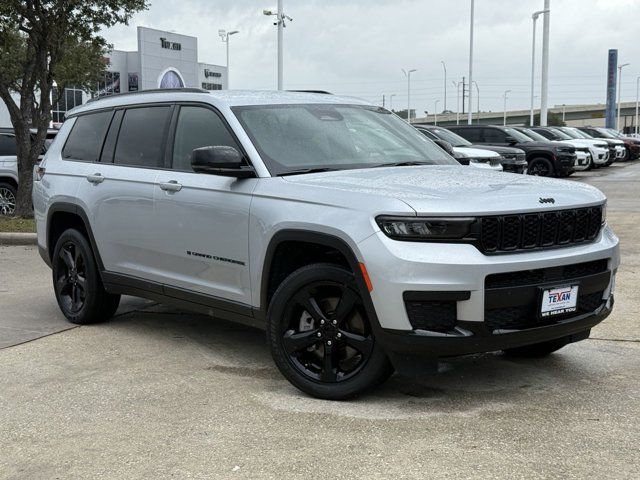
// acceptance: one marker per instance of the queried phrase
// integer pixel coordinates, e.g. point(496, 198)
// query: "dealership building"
point(163, 60)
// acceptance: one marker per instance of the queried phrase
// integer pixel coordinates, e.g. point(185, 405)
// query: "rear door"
point(202, 219)
point(118, 190)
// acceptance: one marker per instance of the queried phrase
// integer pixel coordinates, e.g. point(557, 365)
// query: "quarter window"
point(142, 135)
point(86, 137)
point(198, 127)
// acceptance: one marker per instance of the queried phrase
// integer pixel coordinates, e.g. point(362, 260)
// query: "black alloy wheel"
point(320, 334)
point(71, 277)
point(540, 167)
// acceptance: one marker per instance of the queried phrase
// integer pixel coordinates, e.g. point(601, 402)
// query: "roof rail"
point(153, 90)
point(324, 92)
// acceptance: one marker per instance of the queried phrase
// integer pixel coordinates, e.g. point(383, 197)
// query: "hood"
point(451, 190)
point(498, 149)
point(476, 152)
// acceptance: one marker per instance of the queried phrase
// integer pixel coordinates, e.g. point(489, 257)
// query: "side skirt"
point(197, 302)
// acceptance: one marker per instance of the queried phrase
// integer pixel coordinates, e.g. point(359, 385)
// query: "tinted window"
point(8, 145)
point(87, 134)
point(142, 135)
point(545, 133)
point(493, 135)
point(470, 134)
point(198, 127)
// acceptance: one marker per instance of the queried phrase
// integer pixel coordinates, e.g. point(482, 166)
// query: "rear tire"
point(538, 350)
point(76, 281)
point(320, 336)
point(540, 167)
point(7, 199)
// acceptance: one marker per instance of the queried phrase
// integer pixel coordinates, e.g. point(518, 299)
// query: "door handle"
point(171, 186)
point(96, 178)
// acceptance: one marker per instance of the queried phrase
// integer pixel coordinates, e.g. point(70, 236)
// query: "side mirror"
point(220, 160)
point(510, 140)
point(446, 146)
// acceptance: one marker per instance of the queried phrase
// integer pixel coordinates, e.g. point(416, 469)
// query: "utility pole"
point(445, 84)
point(470, 114)
point(620, 67)
point(464, 94)
point(280, 23)
point(545, 64)
point(383, 100)
point(407, 73)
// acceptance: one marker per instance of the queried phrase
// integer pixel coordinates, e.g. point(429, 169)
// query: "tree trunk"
point(27, 158)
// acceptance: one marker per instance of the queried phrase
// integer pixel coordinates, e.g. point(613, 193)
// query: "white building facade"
point(163, 60)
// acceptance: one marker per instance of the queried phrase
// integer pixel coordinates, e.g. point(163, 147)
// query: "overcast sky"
point(358, 47)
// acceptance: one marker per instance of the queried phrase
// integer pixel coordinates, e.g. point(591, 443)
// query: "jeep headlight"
point(417, 228)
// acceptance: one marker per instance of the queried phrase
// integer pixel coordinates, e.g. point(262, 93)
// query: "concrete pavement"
point(159, 393)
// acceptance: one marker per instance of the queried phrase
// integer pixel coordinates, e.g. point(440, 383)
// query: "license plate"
point(559, 301)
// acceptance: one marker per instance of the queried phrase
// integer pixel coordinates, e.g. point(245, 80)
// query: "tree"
point(43, 42)
point(553, 120)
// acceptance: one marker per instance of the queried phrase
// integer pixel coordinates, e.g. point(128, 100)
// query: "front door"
point(203, 218)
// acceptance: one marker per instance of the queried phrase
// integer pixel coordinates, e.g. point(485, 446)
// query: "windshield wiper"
point(308, 170)
point(399, 164)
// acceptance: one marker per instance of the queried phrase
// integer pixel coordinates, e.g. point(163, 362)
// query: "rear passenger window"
point(8, 147)
point(198, 127)
point(142, 136)
point(86, 137)
point(493, 135)
point(470, 134)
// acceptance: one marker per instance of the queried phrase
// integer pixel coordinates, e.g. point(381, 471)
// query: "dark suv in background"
point(631, 145)
point(544, 160)
point(513, 159)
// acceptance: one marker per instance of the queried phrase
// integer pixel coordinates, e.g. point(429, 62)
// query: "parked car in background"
point(632, 144)
point(583, 155)
point(602, 156)
point(9, 169)
point(544, 159)
point(513, 160)
point(598, 156)
point(616, 145)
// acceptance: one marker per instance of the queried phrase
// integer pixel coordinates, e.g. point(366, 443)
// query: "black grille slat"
point(544, 275)
point(509, 233)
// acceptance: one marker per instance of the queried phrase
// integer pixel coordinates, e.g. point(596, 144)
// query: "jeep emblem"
point(547, 200)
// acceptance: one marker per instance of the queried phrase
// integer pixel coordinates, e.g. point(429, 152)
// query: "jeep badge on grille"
point(547, 200)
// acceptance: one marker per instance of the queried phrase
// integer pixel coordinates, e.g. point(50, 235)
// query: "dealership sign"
point(610, 114)
point(164, 43)
point(208, 73)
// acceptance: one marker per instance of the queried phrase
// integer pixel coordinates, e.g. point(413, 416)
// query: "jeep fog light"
point(416, 228)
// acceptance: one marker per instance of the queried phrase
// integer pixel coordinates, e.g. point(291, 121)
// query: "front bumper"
point(514, 166)
point(583, 160)
point(565, 163)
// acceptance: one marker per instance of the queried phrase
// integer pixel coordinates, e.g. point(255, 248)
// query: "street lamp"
point(435, 113)
point(504, 118)
point(534, 17)
point(637, 95)
point(564, 108)
point(445, 84)
point(407, 73)
point(478, 100)
point(620, 67)
point(224, 36)
point(280, 23)
point(544, 84)
point(470, 115)
point(391, 101)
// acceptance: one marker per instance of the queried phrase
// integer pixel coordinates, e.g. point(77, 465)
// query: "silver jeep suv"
point(357, 243)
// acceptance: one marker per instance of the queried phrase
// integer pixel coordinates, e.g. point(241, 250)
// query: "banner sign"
point(610, 115)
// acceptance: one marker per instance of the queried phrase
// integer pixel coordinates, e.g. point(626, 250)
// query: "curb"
point(18, 238)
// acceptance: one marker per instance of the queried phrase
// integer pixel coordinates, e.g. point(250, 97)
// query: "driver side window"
point(493, 135)
point(198, 127)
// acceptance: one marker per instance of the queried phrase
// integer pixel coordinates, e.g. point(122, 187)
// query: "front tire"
point(540, 167)
point(320, 336)
point(76, 281)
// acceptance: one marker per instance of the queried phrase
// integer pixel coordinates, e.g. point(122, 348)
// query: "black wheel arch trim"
point(78, 211)
point(325, 239)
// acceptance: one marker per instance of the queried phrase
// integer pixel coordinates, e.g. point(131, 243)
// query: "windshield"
point(295, 138)
point(519, 137)
point(571, 133)
point(448, 136)
point(561, 134)
point(614, 132)
point(604, 134)
point(534, 135)
point(580, 133)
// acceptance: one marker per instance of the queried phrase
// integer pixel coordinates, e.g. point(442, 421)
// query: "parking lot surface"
point(158, 393)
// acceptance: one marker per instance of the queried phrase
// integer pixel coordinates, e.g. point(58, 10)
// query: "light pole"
point(224, 35)
point(564, 107)
point(470, 113)
point(620, 67)
point(534, 17)
point(544, 87)
point(504, 118)
point(435, 113)
point(478, 99)
point(445, 84)
point(280, 23)
point(637, 95)
point(457, 85)
point(391, 101)
point(407, 73)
